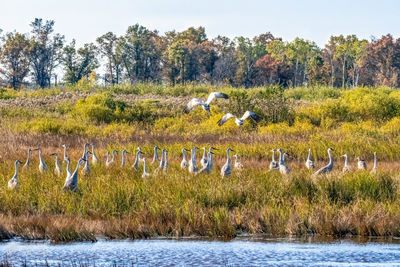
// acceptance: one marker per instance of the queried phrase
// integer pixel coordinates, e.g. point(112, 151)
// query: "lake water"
point(239, 252)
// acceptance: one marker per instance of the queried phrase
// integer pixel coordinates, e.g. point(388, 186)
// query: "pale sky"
point(85, 20)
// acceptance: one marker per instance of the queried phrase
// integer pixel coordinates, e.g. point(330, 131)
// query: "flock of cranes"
point(190, 165)
point(206, 162)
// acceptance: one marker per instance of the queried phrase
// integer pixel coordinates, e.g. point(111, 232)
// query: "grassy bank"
point(118, 203)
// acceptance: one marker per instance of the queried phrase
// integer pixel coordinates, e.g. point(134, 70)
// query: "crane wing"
point(225, 118)
point(192, 103)
point(250, 114)
point(216, 95)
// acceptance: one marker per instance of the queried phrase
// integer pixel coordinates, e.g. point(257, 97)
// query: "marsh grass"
point(117, 203)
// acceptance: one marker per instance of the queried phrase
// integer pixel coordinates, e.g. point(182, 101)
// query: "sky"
point(85, 20)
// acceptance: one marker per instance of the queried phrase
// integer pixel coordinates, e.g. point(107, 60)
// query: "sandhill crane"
point(95, 159)
point(42, 165)
point(155, 158)
point(145, 173)
point(238, 121)
point(375, 168)
point(28, 159)
point(108, 160)
point(65, 150)
point(192, 163)
point(124, 152)
point(162, 162)
point(86, 168)
point(69, 173)
point(309, 163)
point(13, 183)
point(184, 162)
point(57, 168)
point(205, 105)
point(361, 164)
point(283, 168)
point(227, 168)
point(71, 183)
point(238, 165)
point(84, 150)
point(136, 163)
point(328, 168)
point(274, 165)
point(206, 168)
point(203, 161)
point(346, 167)
point(211, 165)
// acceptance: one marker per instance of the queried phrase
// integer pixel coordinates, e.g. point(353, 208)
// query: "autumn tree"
point(79, 63)
point(14, 59)
point(45, 51)
point(383, 60)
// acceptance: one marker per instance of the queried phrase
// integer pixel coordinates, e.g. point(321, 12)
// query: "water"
point(241, 252)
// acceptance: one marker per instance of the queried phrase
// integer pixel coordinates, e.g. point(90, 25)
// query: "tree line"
point(143, 55)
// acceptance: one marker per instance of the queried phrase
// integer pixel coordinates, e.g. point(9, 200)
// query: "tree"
point(108, 49)
point(45, 51)
point(15, 60)
point(140, 54)
point(79, 63)
point(383, 61)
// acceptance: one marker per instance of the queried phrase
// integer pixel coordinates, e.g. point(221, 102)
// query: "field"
point(117, 203)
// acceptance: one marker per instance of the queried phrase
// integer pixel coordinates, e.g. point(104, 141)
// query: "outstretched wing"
point(194, 102)
point(216, 95)
point(225, 118)
point(250, 114)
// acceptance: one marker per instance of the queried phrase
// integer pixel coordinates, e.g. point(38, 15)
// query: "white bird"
point(155, 158)
point(283, 168)
point(192, 163)
point(42, 165)
point(95, 159)
point(328, 168)
point(274, 165)
point(28, 160)
point(346, 167)
point(375, 168)
point(206, 168)
point(309, 163)
point(184, 162)
point(86, 168)
point(123, 157)
point(71, 183)
point(205, 105)
point(65, 151)
point(238, 165)
point(13, 183)
point(136, 163)
point(203, 161)
point(69, 173)
point(361, 164)
point(238, 121)
point(145, 173)
point(227, 168)
point(57, 168)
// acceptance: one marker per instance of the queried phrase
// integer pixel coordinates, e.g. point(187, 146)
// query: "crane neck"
point(123, 159)
point(65, 152)
point(77, 166)
point(309, 155)
point(346, 161)
point(204, 153)
point(28, 160)
point(281, 159)
point(184, 155)
point(273, 155)
point(375, 161)
point(331, 158)
point(16, 170)
point(144, 166)
point(113, 155)
point(228, 158)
